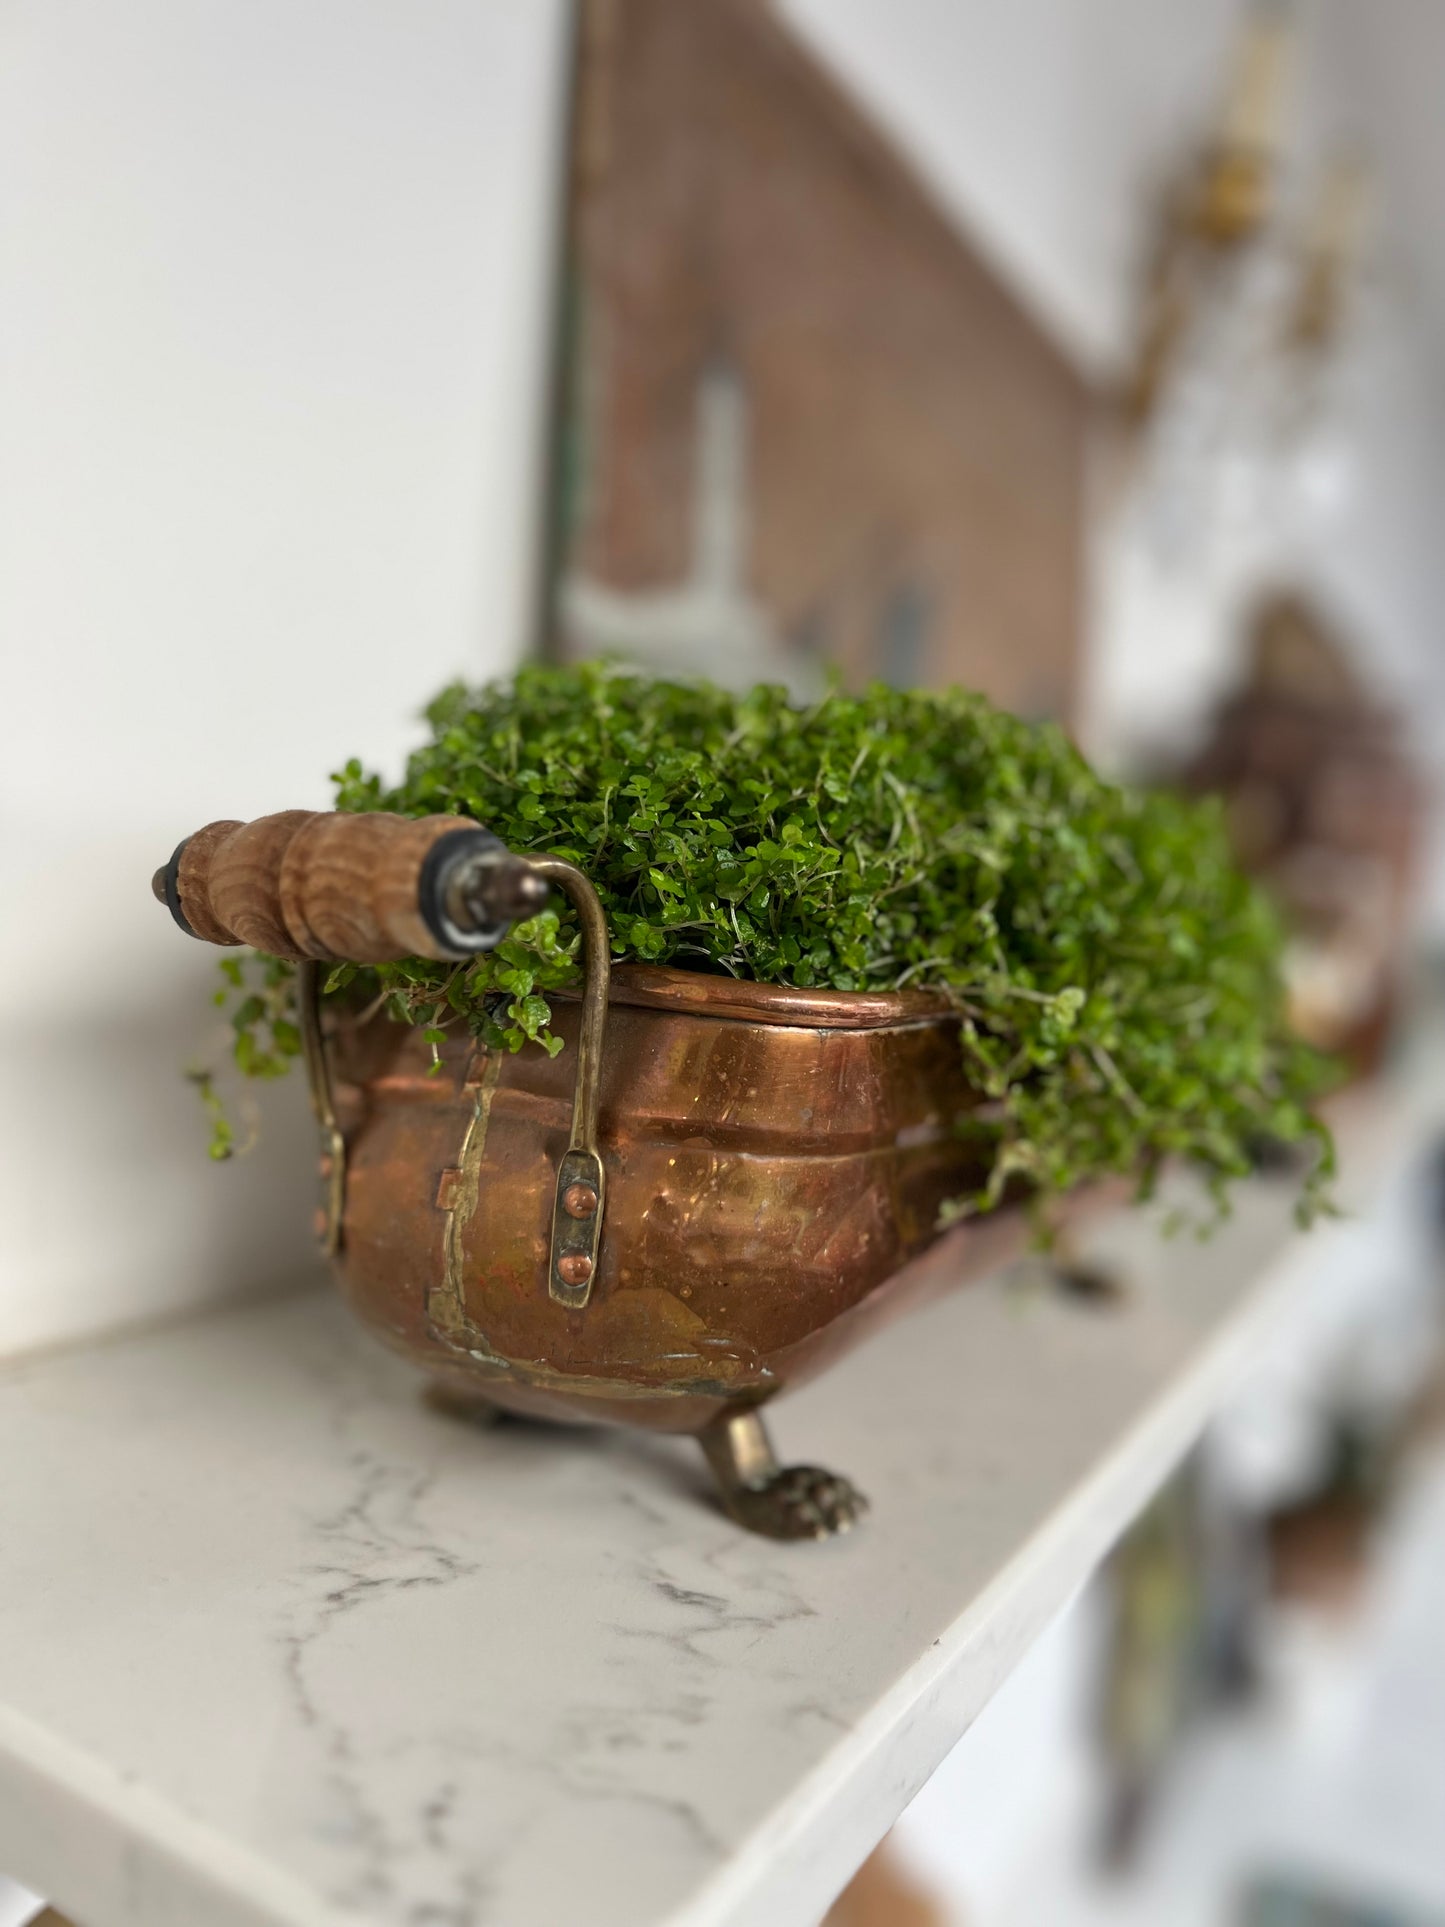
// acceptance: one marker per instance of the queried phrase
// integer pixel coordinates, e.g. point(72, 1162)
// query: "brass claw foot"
point(779, 1501)
point(797, 1502)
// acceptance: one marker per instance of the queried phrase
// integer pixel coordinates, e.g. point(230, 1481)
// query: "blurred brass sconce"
point(1201, 279)
point(1225, 204)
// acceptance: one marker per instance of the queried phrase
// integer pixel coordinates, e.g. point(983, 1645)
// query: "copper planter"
point(715, 1188)
point(774, 1159)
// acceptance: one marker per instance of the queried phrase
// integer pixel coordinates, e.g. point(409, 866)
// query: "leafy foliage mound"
point(1117, 977)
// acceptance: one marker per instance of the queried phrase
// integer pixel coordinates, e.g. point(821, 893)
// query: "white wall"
point(272, 286)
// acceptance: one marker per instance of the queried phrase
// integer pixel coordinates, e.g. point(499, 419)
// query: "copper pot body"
point(775, 1160)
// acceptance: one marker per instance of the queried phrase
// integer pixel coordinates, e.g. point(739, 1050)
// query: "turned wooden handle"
point(331, 886)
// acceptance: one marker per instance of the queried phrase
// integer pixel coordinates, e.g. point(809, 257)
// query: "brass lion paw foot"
point(797, 1502)
point(779, 1501)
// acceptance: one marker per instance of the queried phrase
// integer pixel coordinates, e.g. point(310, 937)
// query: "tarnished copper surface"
point(770, 1170)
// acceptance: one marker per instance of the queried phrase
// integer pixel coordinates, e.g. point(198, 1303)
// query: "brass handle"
point(581, 1185)
point(319, 888)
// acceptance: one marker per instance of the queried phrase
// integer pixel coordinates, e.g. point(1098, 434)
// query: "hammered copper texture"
point(766, 1182)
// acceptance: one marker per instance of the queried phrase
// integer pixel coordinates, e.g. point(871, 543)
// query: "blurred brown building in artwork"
point(1324, 805)
point(801, 422)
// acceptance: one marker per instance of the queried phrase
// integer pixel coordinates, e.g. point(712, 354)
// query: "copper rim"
point(661, 987)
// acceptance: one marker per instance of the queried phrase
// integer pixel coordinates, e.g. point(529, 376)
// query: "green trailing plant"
point(1117, 977)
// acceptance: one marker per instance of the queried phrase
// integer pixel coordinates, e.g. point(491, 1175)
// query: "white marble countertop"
point(278, 1644)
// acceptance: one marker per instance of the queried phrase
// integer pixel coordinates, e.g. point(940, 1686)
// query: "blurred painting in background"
point(1324, 805)
point(800, 422)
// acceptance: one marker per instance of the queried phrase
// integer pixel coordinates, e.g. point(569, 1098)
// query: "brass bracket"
point(318, 1075)
point(581, 1191)
point(576, 1228)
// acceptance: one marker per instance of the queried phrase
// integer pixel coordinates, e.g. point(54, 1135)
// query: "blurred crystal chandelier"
point(1242, 315)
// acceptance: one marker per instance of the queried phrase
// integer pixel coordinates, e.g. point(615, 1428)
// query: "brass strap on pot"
point(581, 1188)
point(581, 1183)
point(323, 1103)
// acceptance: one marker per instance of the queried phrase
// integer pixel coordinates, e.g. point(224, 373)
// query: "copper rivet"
point(575, 1268)
point(579, 1200)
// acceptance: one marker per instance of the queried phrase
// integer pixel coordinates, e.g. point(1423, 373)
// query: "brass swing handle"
point(330, 887)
